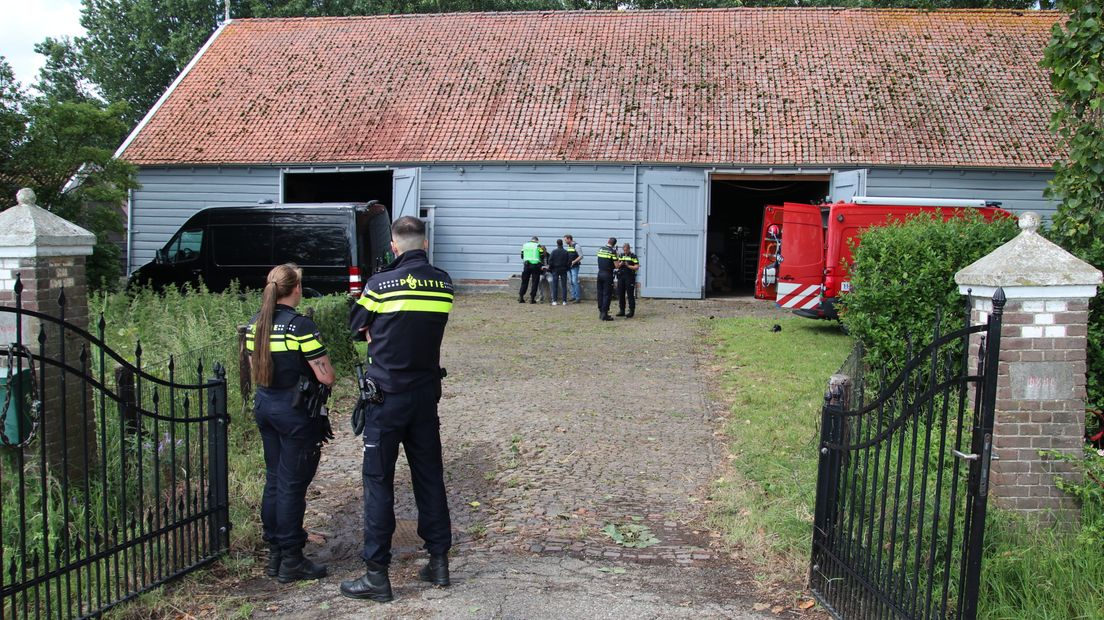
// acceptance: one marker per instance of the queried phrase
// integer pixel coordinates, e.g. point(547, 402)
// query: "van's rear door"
point(801, 271)
point(318, 239)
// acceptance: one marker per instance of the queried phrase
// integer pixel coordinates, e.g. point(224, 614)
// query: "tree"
point(62, 77)
point(134, 49)
point(64, 151)
point(1075, 57)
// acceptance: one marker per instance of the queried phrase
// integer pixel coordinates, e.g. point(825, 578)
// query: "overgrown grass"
point(776, 383)
point(200, 325)
point(1038, 573)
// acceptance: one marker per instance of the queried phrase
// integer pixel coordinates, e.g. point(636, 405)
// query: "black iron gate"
point(113, 476)
point(903, 482)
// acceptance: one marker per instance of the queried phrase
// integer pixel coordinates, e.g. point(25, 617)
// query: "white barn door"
point(406, 192)
point(847, 184)
point(674, 227)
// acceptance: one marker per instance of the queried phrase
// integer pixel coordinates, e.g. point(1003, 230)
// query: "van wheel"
point(310, 292)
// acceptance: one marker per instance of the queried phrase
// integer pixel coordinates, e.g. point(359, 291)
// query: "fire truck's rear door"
point(802, 270)
point(770, 246)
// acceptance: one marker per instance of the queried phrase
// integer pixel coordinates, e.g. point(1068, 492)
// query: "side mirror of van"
point(159, 257)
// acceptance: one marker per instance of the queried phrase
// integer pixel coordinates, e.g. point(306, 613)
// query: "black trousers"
point(605, 291)
point(292, 446)
point(531, 272)
point(409, 418)
point(626, 288)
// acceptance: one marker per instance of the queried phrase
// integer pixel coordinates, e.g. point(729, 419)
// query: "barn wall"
point(1016, 191)
point(485, 213)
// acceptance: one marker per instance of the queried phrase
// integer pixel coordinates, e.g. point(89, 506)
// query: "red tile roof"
point(726, 86)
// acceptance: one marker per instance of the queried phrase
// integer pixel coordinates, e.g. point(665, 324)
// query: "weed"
point(477, 530)
point(632, 535)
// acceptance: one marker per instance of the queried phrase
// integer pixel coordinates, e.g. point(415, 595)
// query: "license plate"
point(845, 287)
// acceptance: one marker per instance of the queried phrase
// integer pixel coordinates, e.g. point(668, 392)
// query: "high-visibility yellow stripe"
point(420, 293)
point(288, 342)
point(413, 305)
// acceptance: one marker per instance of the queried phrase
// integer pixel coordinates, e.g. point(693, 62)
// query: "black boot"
point(630, 314)
point(295, 567)
point(274, 556)
point(605, 317)
point(374, 585)
point(622, 313)
point(436, 571)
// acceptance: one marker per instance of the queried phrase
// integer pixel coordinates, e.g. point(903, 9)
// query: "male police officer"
point(607, 263)
point(402, 313)
point(576, 255)
point(626, 281)
point(530, 270)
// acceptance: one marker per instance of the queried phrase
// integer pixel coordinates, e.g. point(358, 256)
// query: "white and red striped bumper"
point(798, 296)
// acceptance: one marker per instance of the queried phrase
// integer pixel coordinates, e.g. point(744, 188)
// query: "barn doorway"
point(360, 186)
point(736, 220)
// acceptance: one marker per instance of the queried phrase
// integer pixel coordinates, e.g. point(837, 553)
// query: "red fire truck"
point(805, 251)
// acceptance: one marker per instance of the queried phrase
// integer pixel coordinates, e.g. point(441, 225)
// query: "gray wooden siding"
point(168, 196)
point(485, 213)
point(1017, 191)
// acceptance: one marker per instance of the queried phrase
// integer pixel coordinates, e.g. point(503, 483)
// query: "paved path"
point(555, 426)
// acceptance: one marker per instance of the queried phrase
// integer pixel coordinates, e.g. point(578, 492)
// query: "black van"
point(335, 244)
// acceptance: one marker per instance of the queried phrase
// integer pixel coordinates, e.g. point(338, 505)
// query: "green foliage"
point(631, 535)
point(63, 149)
point(331, 314)
point(1029, 571)
point(134, 49)
point(1089, 491)
point(1075, 57)
point(904, 273)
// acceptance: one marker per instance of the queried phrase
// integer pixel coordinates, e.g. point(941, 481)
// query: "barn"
point(667, 129)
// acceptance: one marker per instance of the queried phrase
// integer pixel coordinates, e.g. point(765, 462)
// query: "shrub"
point(331, 314)
point(903, 276)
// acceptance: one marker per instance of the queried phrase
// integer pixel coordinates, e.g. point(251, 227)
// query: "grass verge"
point(775, 382)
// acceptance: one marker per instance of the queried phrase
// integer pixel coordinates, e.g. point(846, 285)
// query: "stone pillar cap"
point(1030, 262)
point(29, 230)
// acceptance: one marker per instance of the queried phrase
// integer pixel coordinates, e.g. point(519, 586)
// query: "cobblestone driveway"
point(554, 426)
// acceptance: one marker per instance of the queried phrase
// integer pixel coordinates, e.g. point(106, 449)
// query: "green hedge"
point(904, 272)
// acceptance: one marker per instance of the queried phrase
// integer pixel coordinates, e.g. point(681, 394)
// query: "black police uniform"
point(606, 256)
point(292, 440)
point(626, 284)
point(405, 308)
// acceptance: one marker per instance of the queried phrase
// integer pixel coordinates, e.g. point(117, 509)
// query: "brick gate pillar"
point(1041, 376)
point(48, 254)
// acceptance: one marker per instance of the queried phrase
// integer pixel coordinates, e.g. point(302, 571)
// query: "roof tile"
point(723, 86)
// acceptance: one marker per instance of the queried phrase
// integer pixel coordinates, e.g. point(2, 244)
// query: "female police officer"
point(285, 347)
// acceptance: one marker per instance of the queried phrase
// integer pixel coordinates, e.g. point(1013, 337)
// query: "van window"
point(185, 246)
point(242, 245)
point(312, 246)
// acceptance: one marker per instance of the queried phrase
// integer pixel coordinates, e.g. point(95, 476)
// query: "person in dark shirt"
point(284, 348)
point(558, 264)
point(607, 264)
point(402, 314)
point(626, 281)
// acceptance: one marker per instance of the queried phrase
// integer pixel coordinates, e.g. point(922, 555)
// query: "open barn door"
point(847, 184)
point(674, 221)
point(406, 192)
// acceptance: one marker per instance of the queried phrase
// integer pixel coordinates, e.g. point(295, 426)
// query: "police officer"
point(402, 313)
point(607, 263)
point(576, 255)
point(285, 347)
point(531, 270)
point(626, 281)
